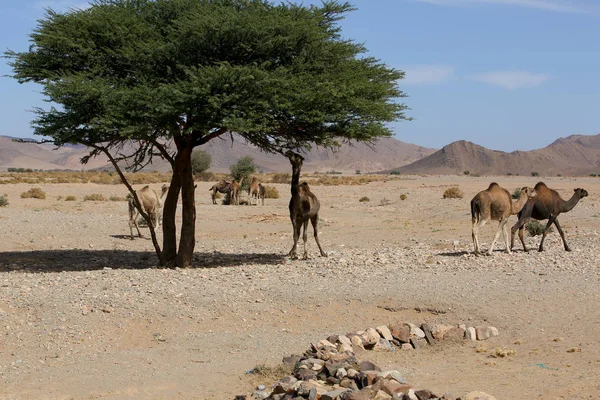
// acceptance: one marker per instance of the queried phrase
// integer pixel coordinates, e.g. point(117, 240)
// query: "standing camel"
point(150, 203)
point(261, 194)
point(235, 191)
point(546, 205)
point(304, 206)
point(253, 190)
point(221, 187)
point(495, 204)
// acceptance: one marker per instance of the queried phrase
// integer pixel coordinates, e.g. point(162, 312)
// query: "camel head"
point(304, 187)
point(581, 193)
point(295, 158)
point(529, 191)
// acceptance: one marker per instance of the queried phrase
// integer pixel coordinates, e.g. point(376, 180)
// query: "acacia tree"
point(189, 71)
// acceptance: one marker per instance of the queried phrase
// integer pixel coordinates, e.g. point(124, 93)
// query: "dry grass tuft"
point(34, 193)
point(70, 198)
point(271, 192)
point(3, 200)
point(94, 197)
point(117, 198)
point(280, 178)
point(403, 196)
point(453, 193)
point(364, 199)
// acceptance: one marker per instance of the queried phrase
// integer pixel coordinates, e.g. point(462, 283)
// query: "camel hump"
point(493, 185)
point(540, 185)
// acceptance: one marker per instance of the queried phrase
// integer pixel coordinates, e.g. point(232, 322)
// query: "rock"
point(364, 394)
point(470, 334)
point(348, 383)
point(485, 332)
point(340, 373)
point(454, 334)
point(392, 387)
point(477, 396)
point(291, 360)
point(326, 344)
point(304, 388)
point(370, 337)
point(260, 394)
point(385, 333)
point(382, 345)
point(381, 395)
point(344, 340)
point(424, 394)
point(428, 335)
point(400, 332)
point(305, 374)
point(333, 395)
point(352, 373)
point(438, 331)
point(410, 395)
point(407, 346)
point(368, 366)
point(414, 342)
point(343, 347)
point(416, 331)
point(357, 342)
point(367, 378)
point(392, 374)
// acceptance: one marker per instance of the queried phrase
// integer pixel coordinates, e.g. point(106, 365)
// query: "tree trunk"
point(169, 226)
point(183, 167)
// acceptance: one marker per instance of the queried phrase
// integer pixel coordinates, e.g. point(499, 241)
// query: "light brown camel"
point(235, 191)
point(253, 190)
point(495, 204)
point(221, 187)
point(546, 205)
point(304, 206)
point(261, 194)
point(151, 205)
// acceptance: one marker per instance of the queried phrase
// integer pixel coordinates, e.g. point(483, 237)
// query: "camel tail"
point(475, 209)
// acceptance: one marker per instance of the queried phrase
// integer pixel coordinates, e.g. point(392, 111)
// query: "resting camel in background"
point(151, 205)
point(304, 206)
point(495, 204)
point(547, 204)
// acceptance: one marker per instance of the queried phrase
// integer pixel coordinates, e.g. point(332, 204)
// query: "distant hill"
point(573, 155)
point(385, 154)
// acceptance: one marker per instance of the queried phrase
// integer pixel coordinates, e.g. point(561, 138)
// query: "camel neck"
point(295, 178)
point(568, 205)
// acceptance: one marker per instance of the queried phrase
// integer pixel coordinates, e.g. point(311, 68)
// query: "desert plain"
point(86, 313)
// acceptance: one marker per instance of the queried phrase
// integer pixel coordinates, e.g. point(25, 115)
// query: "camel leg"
point(520, 226)
point(304, 237)
point(296, 232)
point(562, 235)
point(134, 222)
point(475, 230)
point(506, 240)
point(496, 236)
point(548, 225)
point(314, 220)
point(214, 197)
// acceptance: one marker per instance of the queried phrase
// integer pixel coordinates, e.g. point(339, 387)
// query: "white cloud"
point(512, 79)
point(566, 6)
point(427, 74)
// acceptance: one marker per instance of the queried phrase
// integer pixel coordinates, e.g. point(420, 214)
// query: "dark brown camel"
point(221, 187)
point(547, 204)
point(304, 206)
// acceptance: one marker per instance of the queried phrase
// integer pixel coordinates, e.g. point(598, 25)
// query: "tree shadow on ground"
point(91, 260)
point(454, 253)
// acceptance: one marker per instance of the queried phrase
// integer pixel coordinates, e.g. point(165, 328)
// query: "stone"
point(367, 378)
point(428, 335)
point(343, 347)
point(332, 380)
point(344, 340)
point(382, 345)
point(384, 332)
point(291, 360)
point(392, 387)
point(352, 373)
point(326, 344)
point(381, 395)
point(424, 394)
point(407, 346)
point(305, 374)
point(304, 388)
point(364, 394)
point(370, 337)
point(260, 394)
point(454, 334)
point(400, 332)
point(392, 374)
point(348, 383)
point(438, 331)
point(415, 331)
point(357, 342)
point(478, 396)
point(368, 366)
point(414, 342)
point(334, 394)
point(410, 395)
point(470, 334)
point(340, 373)
point(485, 332)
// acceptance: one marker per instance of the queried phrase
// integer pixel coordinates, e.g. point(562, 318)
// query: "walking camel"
point(261, 194)
point(150, 203)
point(235, 191)
point(221, 187)
point(546, 205)
point(253, 190)
point(304, 206)
point(495, 204)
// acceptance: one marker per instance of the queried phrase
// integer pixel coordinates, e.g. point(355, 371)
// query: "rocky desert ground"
point(85, 313)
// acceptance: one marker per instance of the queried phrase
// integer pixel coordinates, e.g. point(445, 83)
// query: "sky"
point(505, 74)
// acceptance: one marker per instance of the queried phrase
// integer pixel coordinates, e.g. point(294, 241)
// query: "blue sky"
point(505, 74)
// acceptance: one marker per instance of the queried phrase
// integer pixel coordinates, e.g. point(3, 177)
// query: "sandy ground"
point(85, 313)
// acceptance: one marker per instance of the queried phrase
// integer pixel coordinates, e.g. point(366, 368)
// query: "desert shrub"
point(395, 173)
point(509, 174)
point(466, 172)
point(200, 161)
point(281, 178)
point(243, 168)
point(70, 198)
point(3, 200)
point(593, 175)
point(403, 196)
point(35, 193)
point(205, 176)
point(271, 192)
point(94, 197)
point(59, 198)
point(535, 227)
point(516, 193)
point(364, 199)
point(117, 198)
point(453, 193)
point(535, 174)
point(357, 172)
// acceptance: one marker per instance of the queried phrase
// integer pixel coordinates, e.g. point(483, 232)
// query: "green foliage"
point(3, 200)
point(364, 199)
point(243, 168)
point(535, 174)
point(34, 193)
point(453, 193)
point(403, 196)
point(94, 197)
point(516, 193)
point(466, 172)
point(593, 175)
point(535, 227)
point(395, 173)
point(200, 161)
point(357, 172)
point(509, 174)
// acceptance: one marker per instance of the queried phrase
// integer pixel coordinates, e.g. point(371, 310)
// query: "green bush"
point(364, 199)
point(535, 227)
point(466, 172)
point(516, 193)
point(243, 168)
point(453, 193)
point(535, 174)
point(3, 200)
point(357, 172)
point(35, 193)
point(200, 161)
point(403, 196)
point(395, 173)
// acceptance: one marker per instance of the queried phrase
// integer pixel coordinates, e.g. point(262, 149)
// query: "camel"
point(546, 205)
point(235, 191)
point(495, 204)
point(304, 206)
point(253, 190)
point(261, 194)
point(221, 187)
point(151, 205)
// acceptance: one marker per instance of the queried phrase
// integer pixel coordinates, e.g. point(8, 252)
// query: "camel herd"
point(493, 204)
point(539, 203)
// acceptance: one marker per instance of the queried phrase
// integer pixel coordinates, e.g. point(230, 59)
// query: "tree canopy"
point(187, 71)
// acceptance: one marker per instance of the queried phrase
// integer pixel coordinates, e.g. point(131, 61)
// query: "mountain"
point(386, 153)
point(573, 155)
